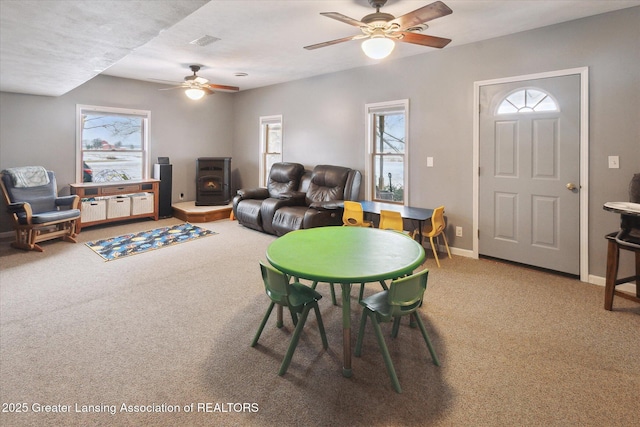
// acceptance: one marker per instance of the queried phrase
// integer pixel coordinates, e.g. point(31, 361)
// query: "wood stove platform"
point(188, 211)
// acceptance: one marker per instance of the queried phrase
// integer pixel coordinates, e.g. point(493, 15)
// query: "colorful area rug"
point(137, 243)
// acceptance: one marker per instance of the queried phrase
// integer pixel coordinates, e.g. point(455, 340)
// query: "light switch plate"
point(429, 162)
point(614, 162)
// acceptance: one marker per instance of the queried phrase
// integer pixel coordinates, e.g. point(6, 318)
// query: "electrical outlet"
point(614, 162)
point(458, 231)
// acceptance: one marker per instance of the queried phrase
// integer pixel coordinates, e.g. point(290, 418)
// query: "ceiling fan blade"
point(221, 87)
point(174, 87)
point(342, 18)
point(423, 39)
point(207, 90)
point(329, 43)
point(422, 15)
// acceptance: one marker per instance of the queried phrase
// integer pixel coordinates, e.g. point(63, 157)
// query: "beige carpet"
point(170, 329)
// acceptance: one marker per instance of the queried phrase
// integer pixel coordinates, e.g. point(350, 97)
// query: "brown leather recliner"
point(323, 202)
point(254, 208)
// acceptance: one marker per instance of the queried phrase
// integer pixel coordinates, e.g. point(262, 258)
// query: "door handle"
point(571, 186)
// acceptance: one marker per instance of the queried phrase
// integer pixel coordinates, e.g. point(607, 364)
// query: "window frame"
point(144, 150)
point(371, 110)
point(525, 109)
point(265, 121)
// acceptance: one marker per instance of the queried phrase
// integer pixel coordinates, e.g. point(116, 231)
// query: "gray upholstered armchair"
point(38, 213)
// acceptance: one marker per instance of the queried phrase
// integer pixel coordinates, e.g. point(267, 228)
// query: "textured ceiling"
point(51, 47)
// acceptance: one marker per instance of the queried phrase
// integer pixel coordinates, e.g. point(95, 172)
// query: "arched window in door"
point(527, 101)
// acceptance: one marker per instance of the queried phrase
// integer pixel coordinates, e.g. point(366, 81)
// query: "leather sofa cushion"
point(288, 219)
point(284, 177)
point(248, 213)
point(327, 183)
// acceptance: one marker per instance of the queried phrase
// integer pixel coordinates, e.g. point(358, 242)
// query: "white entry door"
point(529, 201)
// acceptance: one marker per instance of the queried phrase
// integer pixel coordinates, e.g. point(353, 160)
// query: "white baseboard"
point(454, 251)
point(594, 280)
point(600, 281)
point(461, 252)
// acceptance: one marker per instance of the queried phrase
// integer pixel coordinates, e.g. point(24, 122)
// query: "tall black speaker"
point(163, 173)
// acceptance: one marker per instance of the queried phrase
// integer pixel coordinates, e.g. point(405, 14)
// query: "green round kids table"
point(345, 255)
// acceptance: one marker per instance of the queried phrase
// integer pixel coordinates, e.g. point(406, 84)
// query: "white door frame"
point(584, 155)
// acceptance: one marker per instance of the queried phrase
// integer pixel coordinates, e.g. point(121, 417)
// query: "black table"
point(407, 212)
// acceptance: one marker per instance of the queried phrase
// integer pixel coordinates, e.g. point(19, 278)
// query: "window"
point(112, 144)
point(387, 167)
point(271, 145)
point(527, 101)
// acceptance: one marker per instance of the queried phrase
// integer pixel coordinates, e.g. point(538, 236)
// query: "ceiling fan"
point(381, 29)
point(196, 86)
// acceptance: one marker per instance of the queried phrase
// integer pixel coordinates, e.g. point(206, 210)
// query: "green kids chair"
point(403, 298)
point(299, 298)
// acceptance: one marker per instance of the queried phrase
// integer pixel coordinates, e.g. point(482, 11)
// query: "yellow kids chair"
point(434, 229)
point(391, 220)
point(353, 215)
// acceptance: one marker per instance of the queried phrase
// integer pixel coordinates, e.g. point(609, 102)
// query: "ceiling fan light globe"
point(194, 94)
point(378, 47)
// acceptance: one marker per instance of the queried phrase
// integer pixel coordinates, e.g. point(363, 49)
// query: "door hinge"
point(478, 234)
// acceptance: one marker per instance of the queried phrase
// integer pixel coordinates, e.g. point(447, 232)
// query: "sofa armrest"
point(22, 210)
point(254, 193)
point(328, 205)
point(70, 201)
point(269, 207)
point(18, 207)
point(315, 217)
point(297, 196)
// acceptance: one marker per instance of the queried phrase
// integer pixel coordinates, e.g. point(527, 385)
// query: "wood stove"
point(213, 180)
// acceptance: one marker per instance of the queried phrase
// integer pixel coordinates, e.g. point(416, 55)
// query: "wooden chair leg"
point(637, 274)
point(613, 257)
point(70, 239)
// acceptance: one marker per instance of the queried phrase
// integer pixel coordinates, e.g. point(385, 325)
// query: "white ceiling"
point(51, 47)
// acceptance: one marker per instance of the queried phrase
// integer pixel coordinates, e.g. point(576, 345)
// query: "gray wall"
point(39, 130)
point(324, 120)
